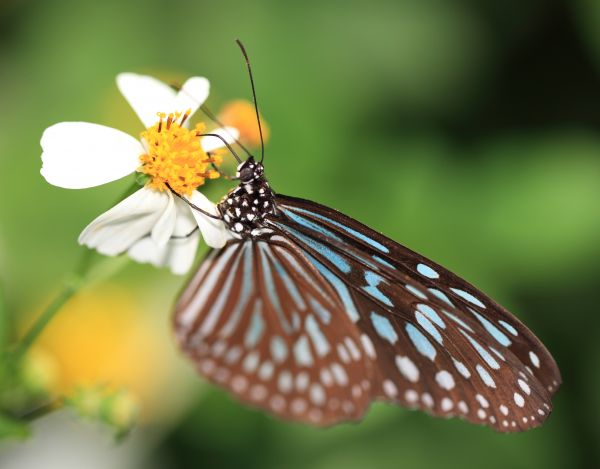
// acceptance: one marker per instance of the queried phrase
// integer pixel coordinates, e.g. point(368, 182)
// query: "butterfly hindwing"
point(437, 343)
point(260, 320)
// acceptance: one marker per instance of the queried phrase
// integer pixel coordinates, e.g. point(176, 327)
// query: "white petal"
point(116, 230)
point(178, 254)
point(146, 95)
point(191, 96)
point(76, 155)
point(185, 222)
point(229, 134)
point(162, 231)
point(214, 232)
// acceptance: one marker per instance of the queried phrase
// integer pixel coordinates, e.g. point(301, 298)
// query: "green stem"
point(4, 324)
point(44, 409)
point(43, 320)
point(72, 286)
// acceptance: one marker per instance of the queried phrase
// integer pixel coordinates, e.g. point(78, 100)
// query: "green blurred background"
point(465, 129)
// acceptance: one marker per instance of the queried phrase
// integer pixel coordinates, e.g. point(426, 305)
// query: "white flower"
point(152, 225)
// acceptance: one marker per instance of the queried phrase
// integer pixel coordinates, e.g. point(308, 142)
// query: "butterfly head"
point(250, 171)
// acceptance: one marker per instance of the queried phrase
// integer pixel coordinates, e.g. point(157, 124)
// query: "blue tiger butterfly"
point(311, 316)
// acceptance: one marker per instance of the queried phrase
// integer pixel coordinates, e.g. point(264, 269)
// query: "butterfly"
point(310, 315)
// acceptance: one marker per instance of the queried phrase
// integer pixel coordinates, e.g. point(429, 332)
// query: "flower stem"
point(71, 287)
point(44, 409)
point(42, 321)
point(4, 320)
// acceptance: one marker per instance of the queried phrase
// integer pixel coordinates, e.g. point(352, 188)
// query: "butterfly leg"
point(221, 173)
point(185, 236)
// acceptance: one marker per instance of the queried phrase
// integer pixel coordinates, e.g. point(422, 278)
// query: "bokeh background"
point(465, 129)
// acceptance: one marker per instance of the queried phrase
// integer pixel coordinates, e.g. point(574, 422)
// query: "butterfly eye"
point(246, 174)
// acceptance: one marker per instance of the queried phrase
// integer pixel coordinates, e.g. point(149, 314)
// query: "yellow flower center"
point(174, 156)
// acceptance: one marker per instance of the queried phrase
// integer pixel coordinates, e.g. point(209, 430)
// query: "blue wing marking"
point(347, 229)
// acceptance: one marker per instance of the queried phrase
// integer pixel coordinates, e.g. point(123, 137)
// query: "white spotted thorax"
point(244, 208)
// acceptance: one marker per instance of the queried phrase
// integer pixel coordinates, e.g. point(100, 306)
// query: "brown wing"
point(261, 321)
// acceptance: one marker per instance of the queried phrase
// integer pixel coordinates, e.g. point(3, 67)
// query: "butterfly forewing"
point(435, 342)
point(260, 320)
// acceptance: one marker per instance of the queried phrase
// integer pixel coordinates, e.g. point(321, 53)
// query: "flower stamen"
point(185, 116)
point(175, 158)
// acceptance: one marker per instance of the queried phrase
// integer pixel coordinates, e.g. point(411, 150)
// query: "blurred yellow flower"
point(241, 115)
point(40, 371)
point(103, 337)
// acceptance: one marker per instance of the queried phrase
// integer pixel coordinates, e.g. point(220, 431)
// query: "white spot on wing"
point(326, 377)
point(279, 349)
point(485, 376)
point(411, 396)
point(284, 383)
point(368, 346)
point(251, 362)
point(339, 374)
point(343, 353)
point(239, 383)
point(298, 406)
point(302, 381)
point(233, 355)
point(317, 337)
point(534, 359)
point(266, 370)
point(445, 380)
point(317, 394)
point(427, 399)
point(524, 386)
point(277, 403)
point(446, 404)
point(390, 388)
point(482, 401)
point(407, 368)
point(302, 352)
point(519, 400)
point(218, 348)
point(354, 351)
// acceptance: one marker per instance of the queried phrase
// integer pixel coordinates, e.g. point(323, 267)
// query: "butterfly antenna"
point(213, 118)
point(262, 143)
point(232, 151)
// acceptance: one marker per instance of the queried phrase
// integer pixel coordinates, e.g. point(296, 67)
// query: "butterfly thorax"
point(244, 208)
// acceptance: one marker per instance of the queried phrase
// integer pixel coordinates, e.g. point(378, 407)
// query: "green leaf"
point(13, 428)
